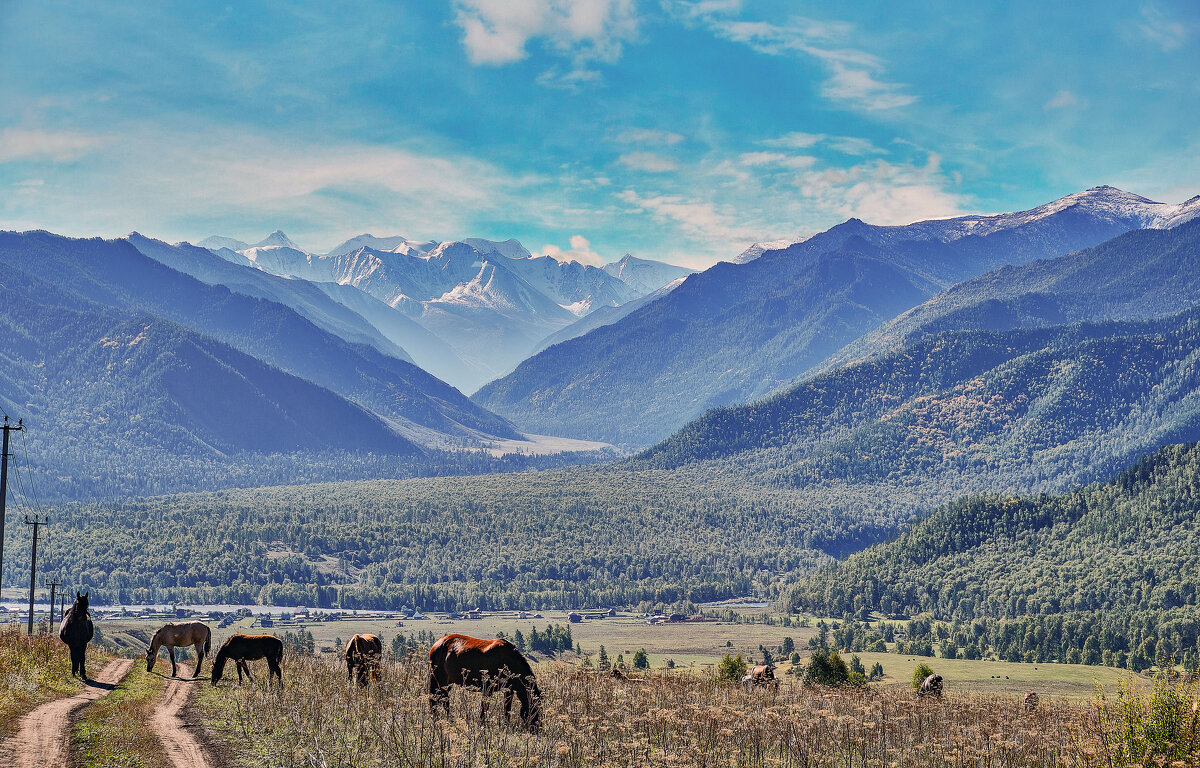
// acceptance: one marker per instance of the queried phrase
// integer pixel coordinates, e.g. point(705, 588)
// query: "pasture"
point(695, 647)
point(655, 718)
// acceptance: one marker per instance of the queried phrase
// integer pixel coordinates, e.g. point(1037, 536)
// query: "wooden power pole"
point(35, 522)
point(4, 490)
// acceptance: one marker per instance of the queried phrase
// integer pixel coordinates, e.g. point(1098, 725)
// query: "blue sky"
point(676, 130)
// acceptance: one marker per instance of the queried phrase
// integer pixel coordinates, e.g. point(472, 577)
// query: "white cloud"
point(777, 159)
point(702, 219)
point(846, 145)
point(37, 144)
point(650, 162)
point(858, 86)
point(880, 192)
point(1165, 32)
point(1061, 100)
point(649, 137)
point(795, 140)
point(162, 181)
point(580, 251)
point(853, 75)
point(496, 32)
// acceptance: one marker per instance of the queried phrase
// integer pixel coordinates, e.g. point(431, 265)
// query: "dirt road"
point(180, 747)
point(44, 735)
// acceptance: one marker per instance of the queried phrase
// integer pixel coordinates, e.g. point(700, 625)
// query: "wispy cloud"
point(1164, 31)
point(496, 32)
point(717, 226)
point(167, 178)
point(38, 144)
point(650, 162)
point(1061, 100)
point(854, 76)
point(777, 159)
point(648, 137)
point(846, 145)
point(580, 251)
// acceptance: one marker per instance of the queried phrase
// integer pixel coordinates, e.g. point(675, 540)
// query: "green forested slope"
point(1129, 544)
point(1029, 409)
point(579, 537)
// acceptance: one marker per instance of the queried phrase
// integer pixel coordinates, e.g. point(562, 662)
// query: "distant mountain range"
point(115, 353)
point(737, 332)
point(466, 310)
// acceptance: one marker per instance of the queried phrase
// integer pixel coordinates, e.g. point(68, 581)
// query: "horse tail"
point(207, 640)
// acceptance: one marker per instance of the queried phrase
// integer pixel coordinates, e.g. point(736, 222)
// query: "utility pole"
point(4, 490)
point(53, 586)
point(35, 522)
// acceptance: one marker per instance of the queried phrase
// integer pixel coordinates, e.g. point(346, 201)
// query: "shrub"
point(826, 668)
point(731, 668)
point(641, 660)
point(1154, 727)
point(922, 671)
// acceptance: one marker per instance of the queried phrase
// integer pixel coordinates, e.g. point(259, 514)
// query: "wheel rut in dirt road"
point(43, 738)
point(182, 749)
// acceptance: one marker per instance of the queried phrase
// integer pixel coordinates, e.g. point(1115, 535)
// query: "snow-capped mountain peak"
point(277, 238)
point(1104, 202)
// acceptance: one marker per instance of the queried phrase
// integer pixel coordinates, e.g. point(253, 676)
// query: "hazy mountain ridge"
point(1138, 275)
point(488, 303)
point(735, 332)
point(117, 275)
point(1122, 210)
point(968, 411)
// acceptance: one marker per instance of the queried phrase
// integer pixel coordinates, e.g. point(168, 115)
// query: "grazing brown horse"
point(183, 633)
point(243, 648)
point(364, 653)
point(76, 631)
point(488, 665)
point(931, 686)
point(762, 676)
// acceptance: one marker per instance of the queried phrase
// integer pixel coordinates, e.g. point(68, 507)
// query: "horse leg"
point(438, 696)
point(171, 653)
point(246, 668)
point(508, 700)
point(274, 670)
point(199, 658)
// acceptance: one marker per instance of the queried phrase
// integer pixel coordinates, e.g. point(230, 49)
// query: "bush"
point(731, 669)
point(826, 668)
point(922, 671)
point(641, 660)
point(1154, 727)
point(876, 672)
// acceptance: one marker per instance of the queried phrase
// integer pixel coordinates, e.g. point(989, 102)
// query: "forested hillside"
point(1117, 560)
point(737, 332)
point(972, 410)
point(567, 538)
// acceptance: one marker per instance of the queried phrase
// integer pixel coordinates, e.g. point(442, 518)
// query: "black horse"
point(76, 631)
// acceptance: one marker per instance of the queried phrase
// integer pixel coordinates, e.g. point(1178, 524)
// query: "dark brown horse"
point(490, 666)
point(762, 676)
point(76, 631)
point(243, 648)
point(364, 653)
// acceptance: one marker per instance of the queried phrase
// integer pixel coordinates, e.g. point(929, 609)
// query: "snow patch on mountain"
point(1104, 202)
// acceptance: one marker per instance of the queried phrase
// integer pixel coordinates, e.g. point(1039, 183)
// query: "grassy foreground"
point(112, 731)
point(34, 670)
point(687, 720)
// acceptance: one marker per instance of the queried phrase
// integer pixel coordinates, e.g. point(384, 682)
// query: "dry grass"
point(113, 731)
point(32, 670)
point(316, 719)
